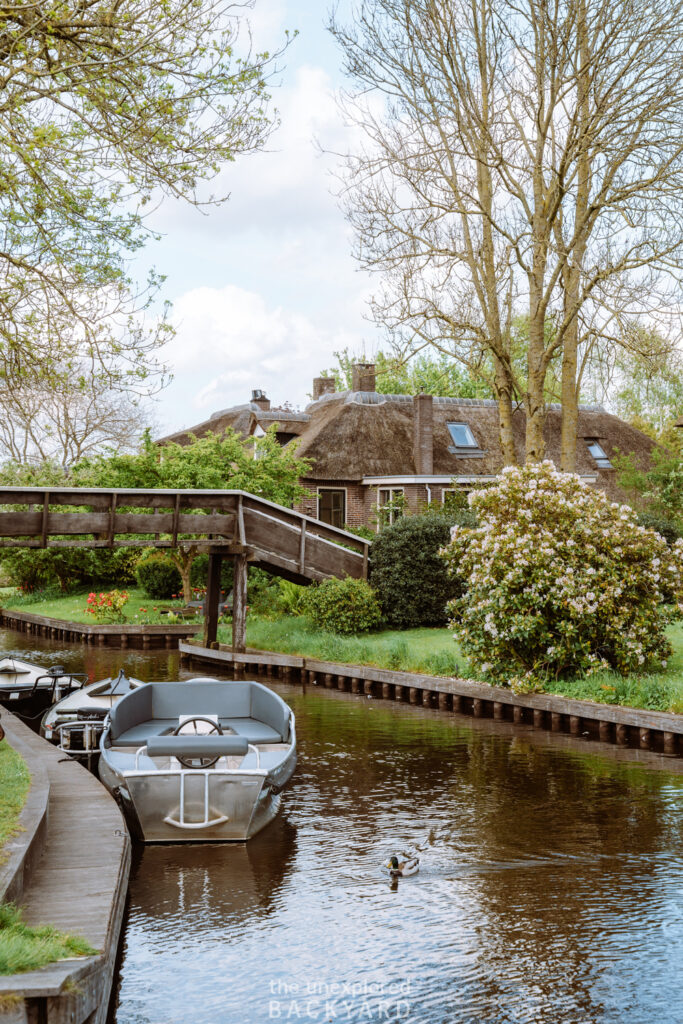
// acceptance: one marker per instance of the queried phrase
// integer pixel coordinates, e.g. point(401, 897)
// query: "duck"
point(402, 869)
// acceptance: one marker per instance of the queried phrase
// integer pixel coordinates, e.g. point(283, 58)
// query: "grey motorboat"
point(27, 690)
point(201, 760)
point(76, 722)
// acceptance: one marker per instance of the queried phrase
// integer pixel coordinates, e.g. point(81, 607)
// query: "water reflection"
point(550, 887)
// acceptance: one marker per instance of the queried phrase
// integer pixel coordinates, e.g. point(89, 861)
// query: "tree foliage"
point(105, 107)
point(431, 372)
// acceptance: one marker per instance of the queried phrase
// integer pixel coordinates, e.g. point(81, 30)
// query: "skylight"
point(599, 454)
point(462, 435)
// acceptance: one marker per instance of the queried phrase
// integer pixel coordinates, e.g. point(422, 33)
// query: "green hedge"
point(343, 606)
point(408, 574)
point(159, 577)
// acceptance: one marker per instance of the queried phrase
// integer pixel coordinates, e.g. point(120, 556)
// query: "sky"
point(265, 288)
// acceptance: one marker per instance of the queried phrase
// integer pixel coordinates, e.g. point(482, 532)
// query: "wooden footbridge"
point(234, 524)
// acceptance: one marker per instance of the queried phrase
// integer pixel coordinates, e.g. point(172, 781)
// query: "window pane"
point(462, 435)
point(599, 454)
point(332, 507)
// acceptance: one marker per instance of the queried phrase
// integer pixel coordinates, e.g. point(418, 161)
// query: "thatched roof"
point(351, 435)
point(363, 434)
point(244, 419)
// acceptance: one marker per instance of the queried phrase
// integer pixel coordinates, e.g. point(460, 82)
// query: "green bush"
point(666, 528)
point(412, 582)
point(159, 577)
point(67, 569)
point(344, 606)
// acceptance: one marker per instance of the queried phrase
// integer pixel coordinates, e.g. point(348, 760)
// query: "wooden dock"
point(608, 723)
point(79, 885)
point(146, 637)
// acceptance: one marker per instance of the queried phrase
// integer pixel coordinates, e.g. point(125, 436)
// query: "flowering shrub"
point(108, 607)
point(561, 581)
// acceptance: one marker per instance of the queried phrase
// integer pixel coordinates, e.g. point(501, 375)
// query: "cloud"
point(230, 340)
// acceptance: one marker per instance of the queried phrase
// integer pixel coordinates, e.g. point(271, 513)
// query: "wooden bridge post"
point(239, 604)
point(213, 594)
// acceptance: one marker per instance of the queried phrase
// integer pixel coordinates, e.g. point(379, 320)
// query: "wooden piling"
point(399, 692)
point(556, 722)
point(575, 725)
point(386, 691)
point(367, 687)
point(517, 714)
point(670, 743)
point(498, 710)
point(443, 702)
point(355, 685)
point(478, 707)
point(622, 735)
point(413, 695)
point(539, 718)
point(645, 739)
point(605, 731)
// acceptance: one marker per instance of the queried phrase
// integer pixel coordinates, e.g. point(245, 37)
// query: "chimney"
point(258, 397)
point(323, 386)
point(423, 437)
point(363, 377)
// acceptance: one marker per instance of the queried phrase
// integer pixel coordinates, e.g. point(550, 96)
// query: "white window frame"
point(602, 461)
point(346, 504)
point(393, 514)
point(472, 442)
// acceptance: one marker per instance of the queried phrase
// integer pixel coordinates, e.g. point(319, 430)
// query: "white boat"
point(27, 690)
point(201, 760)
point(75, 723)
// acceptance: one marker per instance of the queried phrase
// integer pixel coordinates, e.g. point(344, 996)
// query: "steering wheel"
point(198, 762)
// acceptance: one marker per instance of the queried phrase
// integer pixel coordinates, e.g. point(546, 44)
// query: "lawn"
point(72, 607)
point(23, 948)
point(14, 786)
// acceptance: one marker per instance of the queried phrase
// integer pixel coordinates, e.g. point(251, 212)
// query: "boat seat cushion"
point(253, 731)
point(196, 746)
point(138, 735)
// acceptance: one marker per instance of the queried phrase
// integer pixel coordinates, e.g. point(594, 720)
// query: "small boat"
point(198, 761)
point(76, 722)
point(27, 690)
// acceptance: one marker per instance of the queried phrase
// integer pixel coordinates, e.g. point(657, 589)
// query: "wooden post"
point(367, 687)
point(645, 739)
point(239, 604)
point(517, 714)
point(213, 593)
point(478, 708)
point(386, 691)
point(355, 685)
point(413, 694)
point(426, 698)
point(457, 703)
point(399, 693)
point(575, 725)
point(443, 701)
point(605, 730)
point(556, 721)
point(539, 719)
point(622, 735)
point(498, 710)
point(670, 743)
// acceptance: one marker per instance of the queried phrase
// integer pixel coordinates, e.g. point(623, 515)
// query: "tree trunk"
point(183, 559)
point(503, 388)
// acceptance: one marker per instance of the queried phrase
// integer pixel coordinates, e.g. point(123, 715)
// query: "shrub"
point(344, 606)
point(158, 576)
point(412, 581)
point(108, 607)
point(561, 581)
point(66, 569)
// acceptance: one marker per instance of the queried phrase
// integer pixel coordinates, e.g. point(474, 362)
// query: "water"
point(550, 886)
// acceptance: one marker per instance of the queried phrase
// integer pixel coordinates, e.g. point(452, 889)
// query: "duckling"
point(404, 868)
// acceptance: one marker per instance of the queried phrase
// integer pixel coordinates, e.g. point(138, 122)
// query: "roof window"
point(598, 453)
point(462, 436)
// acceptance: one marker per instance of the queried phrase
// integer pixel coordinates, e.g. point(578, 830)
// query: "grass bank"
point(15, 781)
point(23, 948)
point(434, 652)
point(139, 608)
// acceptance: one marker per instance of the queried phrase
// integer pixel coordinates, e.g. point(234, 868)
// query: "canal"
point(550, 887)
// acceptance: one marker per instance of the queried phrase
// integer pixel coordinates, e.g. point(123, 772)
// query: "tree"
point(64, 420)
point(526, 160)
point(103, 108)
point(213, 462)
point(433, 373)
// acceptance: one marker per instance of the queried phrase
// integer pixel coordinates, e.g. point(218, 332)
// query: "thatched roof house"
point(371, 451)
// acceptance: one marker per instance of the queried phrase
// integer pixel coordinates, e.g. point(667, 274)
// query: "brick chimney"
point(363, 377)
point(423, 436)
point(323, 386)
point(258, 397)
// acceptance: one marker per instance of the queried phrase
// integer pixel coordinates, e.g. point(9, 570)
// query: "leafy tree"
point(213, 462)
point(433, 373)
point(658, 490)
point(105, 107)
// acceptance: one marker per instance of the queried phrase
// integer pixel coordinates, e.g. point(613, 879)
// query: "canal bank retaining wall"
point(68, 868)
point(608, 723)
point(123, 636)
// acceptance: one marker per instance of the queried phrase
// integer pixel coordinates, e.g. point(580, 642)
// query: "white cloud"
point(230, 340)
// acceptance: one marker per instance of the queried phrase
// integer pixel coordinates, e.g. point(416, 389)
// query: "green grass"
point(23, 948)
point(432, 651)
point(72, 607)
point(14, 786)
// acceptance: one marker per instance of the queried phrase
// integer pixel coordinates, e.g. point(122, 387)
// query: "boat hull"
point(159, 808)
